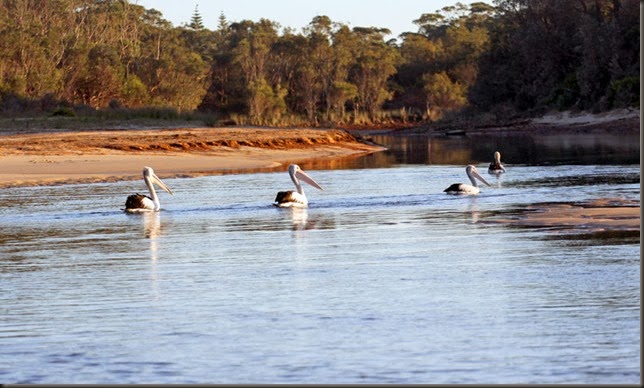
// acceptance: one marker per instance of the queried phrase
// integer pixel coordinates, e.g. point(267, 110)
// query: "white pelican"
point(496, 167)
point(142, 203)
point(295, 198)
point(462, 188)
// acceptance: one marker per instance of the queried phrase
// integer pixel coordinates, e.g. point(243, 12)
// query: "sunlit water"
point(383, 279)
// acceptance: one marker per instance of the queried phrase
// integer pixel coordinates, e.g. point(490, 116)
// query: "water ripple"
point(383, 279)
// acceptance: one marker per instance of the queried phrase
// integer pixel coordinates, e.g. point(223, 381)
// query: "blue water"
point(383, 279)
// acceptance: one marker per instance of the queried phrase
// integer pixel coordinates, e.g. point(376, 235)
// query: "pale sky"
point(396, 15)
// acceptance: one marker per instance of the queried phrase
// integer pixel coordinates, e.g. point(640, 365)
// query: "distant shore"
point(615, 121)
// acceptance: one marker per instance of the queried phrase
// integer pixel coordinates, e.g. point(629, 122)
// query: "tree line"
point(511, 57)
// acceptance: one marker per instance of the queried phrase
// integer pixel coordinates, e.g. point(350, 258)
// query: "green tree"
point(35, 38)
point(551, 54)
point(291, 69)
point(450, 41)
point(252, 55)
point(342, 91)
point(443, 95)
point(196, 21)
point(375, 63)
point(317, 72)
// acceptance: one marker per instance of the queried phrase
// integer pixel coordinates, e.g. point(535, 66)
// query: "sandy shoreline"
point(111, 155)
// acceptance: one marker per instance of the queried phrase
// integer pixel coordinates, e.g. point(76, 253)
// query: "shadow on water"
point(585, 180)
point(523, 149)
point(517, 149)
point(302, 220)
point(598, 238)
point(277, 219)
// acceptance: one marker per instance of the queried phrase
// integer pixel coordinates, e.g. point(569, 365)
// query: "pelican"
point(295, 198)
point(462, 188)
point(496, 167)
point(142, 203)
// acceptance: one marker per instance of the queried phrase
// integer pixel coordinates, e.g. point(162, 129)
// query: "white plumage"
point(496, 167)
point(463, 188)
point(143, 203)
point(295, 198)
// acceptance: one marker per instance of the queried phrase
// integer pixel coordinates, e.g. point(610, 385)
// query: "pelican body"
point(496, 167)
point(295, 198)
point(142, 203)
point(463, 188)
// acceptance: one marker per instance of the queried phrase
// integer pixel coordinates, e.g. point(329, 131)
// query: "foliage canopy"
point(518, 56)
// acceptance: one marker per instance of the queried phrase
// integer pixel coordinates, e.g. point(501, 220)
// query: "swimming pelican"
point(496, 167)
point(462, 188)
point(295, 198)
point(143, 203)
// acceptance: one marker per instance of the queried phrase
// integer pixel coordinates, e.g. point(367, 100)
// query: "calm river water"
point(383, 279)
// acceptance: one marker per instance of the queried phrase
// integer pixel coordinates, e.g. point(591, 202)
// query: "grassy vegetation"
point(84, 118)
point(90, 119)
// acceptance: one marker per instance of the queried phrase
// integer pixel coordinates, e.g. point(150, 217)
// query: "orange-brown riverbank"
point(109, 155)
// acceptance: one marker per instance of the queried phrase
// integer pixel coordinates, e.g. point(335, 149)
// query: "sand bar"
point(111, 155)
point(597, 215)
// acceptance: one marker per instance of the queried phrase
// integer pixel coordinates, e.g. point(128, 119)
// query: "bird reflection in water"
point(473, 210)
point(152, 230)
point(300, 218)
point(499, 180)
point(151, 225)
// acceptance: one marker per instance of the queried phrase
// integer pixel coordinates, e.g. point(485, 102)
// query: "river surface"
point(383, 279)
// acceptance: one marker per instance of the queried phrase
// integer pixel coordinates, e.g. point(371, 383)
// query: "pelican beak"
point(479, 177)
point(306, 178)
point(161, 184)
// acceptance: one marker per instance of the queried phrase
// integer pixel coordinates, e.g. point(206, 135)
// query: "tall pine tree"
point(196, 22)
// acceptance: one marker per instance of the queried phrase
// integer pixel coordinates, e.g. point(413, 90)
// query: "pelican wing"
point(290, 198)
point(454, 188)
point(138, 202)
point(284, 196)
point(496, 167)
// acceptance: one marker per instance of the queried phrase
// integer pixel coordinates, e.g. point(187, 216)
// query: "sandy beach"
point(110, 155)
